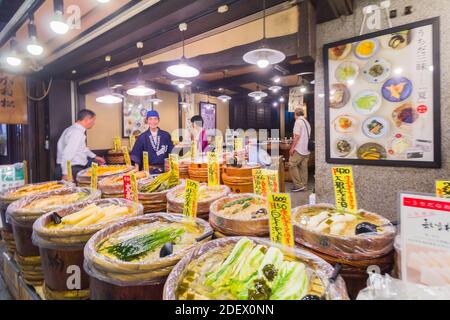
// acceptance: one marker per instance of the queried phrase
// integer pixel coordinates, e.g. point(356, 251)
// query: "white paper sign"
point(425, 239)
point(295, 99)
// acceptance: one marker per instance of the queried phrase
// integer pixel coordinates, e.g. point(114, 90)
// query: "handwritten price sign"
point(280, 219)
point(130, 190)
point(258, 180)
point(443, 189)
point(213, 170)
point(271, 177)
point(94, 175)
point(69, 171)
point(344, 188)
point(132, 141)
point(174, 164)
point(117, 143)
point(126, 155)
point(191, 198)
point(145, 161)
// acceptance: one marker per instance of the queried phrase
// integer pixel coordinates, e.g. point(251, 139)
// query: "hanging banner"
point(174, 164)
point(191, 198)
point(13, 99)
point(213, 170)
point(295, 99)
point(425, 239)
point(271, 177)
point(443, 189)
point(94, 175)
point(69, 171)
point(145, 161)
point(126, 156)
point(280, 220)
point(344, 188)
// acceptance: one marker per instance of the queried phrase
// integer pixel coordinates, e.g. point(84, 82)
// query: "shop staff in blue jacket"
point(156, 142)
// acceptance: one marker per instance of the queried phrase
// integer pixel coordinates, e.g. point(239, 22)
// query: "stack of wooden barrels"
point(239, 179)
point(115, 157)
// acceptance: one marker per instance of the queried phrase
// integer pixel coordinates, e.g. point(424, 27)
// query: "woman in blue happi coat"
point(157, 142)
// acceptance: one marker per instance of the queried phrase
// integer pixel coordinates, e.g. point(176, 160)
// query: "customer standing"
point(72, 146)
point(299, 153)
point(198, 133)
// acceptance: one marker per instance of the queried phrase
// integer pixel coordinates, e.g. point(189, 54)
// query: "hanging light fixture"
point(181, 83)
point(111, 97)
point(281, 99)
point(224, 98)
point(264, 56)
point(103, 1)
point(155, 100)
point(140, 90)
point(33, 46)
point(58, 25)
point(183, 69)
point(258, 94)
point(275, 89)
point(12, 57)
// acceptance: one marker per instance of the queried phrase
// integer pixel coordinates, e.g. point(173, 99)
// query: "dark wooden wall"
point(245, 114)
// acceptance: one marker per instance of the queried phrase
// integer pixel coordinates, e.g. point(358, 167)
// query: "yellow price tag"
point(117, 144)
point(280, 219)
point(344, 188)
point(69, 171)
point(258, 182)
point(94, 175)
point(145, 161)
point(132, 141)
point(191, 198)
point(126, 155)
point(134, 188)
point(443, 189)
point(193, 151)
point(213, 170)
point(271, 177)
point(174, 164)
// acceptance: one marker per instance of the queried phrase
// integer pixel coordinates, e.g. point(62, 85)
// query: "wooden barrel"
point(198, 172)
point(61, 250)
point(355, 273)
point(114, 279)
point(239, 179)
point(7, 231)
point(115, 157)
point(184, 168)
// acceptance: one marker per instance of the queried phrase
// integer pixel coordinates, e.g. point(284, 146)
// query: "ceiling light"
point(264, 56)
point(302, 89)
point(140, 90)
point(111, 97)
point(258, 94)
point(103, 1)
point(33, 46)
point(58, 25)
point(183, 69)
point(223, 9)
point(74, 71)
point(181, 83)
point(281, 99)
point(12, 57)
point(277, 80)
point(155, 100)
point(224, 98)
point(275, 89)
point(275, 104)
point(313, 82)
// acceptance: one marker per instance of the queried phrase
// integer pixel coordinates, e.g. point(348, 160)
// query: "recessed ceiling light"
point(223, 9)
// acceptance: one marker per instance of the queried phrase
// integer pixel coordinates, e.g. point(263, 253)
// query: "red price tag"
point(127, 192)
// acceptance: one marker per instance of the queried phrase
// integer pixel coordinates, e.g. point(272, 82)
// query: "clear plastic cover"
point(315, 266)
point(74, 236)
point(175, 200)
point(363, 246)
point(111, 186)
point(137, 273)
point(384, 287)
point(240, 224)
point(84, 177)
point(17, 193)
point(21, 214)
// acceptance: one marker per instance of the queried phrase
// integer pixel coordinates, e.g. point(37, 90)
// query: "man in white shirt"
point(72, 146)
point(299, 153)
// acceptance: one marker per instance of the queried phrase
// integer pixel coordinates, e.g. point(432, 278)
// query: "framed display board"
point(382, 98)
point(134, 112)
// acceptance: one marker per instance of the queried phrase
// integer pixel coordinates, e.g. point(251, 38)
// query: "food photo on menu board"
point(383, 97)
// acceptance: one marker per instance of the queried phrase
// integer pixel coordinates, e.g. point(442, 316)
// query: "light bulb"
point(277, 80)
point(263, 63)
point(282, 99)
point(275, 104)
point(181, 86)
point(303, 89)
point(35, 48)
point(13, 60)
point(257, 98)
point(58, 25)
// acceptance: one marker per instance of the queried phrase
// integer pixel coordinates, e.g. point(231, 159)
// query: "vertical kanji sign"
point(443, 189)
point(94, 175)
point(145, 161)
point(69, 171)
point(190, 198)
point(344, 188)
point(213, 170)
point(174, 164)
point(271, 177)
point(280, 219)
point(126, 155)
point(258, 181)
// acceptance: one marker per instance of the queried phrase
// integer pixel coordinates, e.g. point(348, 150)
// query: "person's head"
point(86, 118)
point(298, 113)
point(197, 122)
point(153, 119)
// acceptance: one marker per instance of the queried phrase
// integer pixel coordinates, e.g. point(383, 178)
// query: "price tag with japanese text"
point(280, 220)
point(213, 170)
point(69, 171)
point(193, 151)
point(94, 175)
point(132, 141)
point(145, 161)
point(344, 188)
point(117, 144)
point(126, 156)
point(258, 181)
point(271, 177)
point(443, 189)
point(219, 145)
point(174, 164)
point(191, 198)
point(127, 191)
